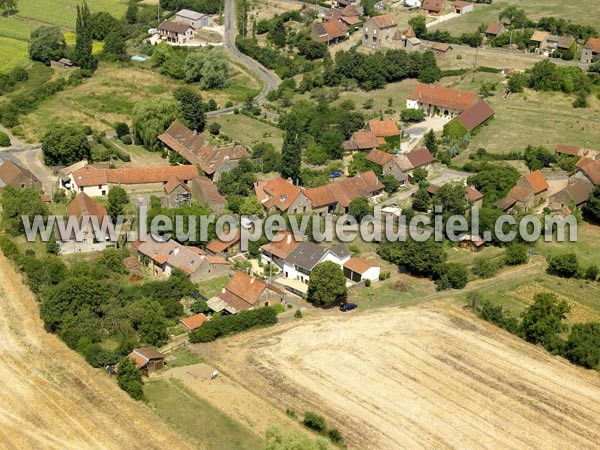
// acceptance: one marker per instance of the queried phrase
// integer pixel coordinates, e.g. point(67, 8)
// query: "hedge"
point(4, 140)
point(116, 150)
point(226, 325)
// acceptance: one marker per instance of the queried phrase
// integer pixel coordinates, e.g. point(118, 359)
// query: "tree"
point(291, 158)
point(542, 321)
point(52, 246)
point(192, 108)
point(63, 145)
point(131, 15)
point(565, 265)
point(270, 158)
point(114, 46)
point(494, 181)
point(451, 275)
point(390, 183)
point(327, 284)
point(278, 33)
point(151, 117)
point(419, 258)
point(591, 210)
point(484, 267)
point(252, 207)
point(130, 379)
point(513, 16)
point(214, 128)
point(515, 254)
point(517, 82)
point(210, 67)
point(431, 143)
point(359, 208)
point(117, 200)
point(429, 71)
point(102, 24)
point(412, 115)
point(419, 25)
point(122, 129)
point(421, 200)
point(311, 49)
point(47, 44)
point(199, 306)
point(591, 273)
point(8, 6)
point(151, 323)
point(4, 139)
point(451, 197)
point(583, 346)
point(82, 54)
point(19, 202)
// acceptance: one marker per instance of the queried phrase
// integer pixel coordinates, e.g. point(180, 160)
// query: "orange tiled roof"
point(420, 157)
point(83, 205)
point(475, 115)
point(494, 28)
point(384, 21)
point(379, 157)
point(193, 322)
point(276, 192)
point(537, 181)
point(384, 128)
point(593, 44)
point(433, 5)
point(359, 265)
point(282, 245)
point(443, 97)
point(217, 246)
point(573, 150)
point(343, 192)
point(91, 176)
point(592, 171)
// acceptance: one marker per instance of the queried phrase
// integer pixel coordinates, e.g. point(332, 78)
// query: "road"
point(269, 79)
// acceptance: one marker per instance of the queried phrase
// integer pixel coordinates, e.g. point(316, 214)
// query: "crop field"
point(51, 398)
point(423, 377)
point(577, 12)
point(64, 12)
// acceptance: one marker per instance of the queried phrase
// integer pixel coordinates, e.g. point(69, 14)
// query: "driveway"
point(418, 130)
point(442, 18)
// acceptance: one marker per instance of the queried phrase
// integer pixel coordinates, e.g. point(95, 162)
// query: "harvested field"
point(422, 377)
point(51, 398)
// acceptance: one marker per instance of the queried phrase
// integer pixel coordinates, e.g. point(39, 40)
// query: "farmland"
point(576, 12)
point(430, 375)
point(51, 398)
point(64, 12)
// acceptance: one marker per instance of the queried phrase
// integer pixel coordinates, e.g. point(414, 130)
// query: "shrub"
point(335, 435)
point(583, 346)
point(225, 325)
point(4, 140)
point(127, 140)
point(565, 265)
point(455, 274)
point(515, 254)
point(214, 128)
point(592, 272)
point(121, 129)
point(315, 422)
point(484, 267)
point(279, 308)
point(367, 283)
point(298, 314)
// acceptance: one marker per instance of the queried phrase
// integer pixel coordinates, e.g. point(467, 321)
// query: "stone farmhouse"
point(437, 100)
point(378, 32)
point(244, 292)
point(18, 177)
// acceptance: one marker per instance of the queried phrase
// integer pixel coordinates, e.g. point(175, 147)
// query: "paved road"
point(269, 79)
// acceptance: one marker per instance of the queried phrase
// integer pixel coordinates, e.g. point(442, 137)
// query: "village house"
point(225, 248)
point(378, 32)
point(18, 177)
point(530, 191)
point(177, 193)
point(350, 16)
point(97, 182)
point(475, 115)
point(575, 194)
point(194, 322)
point(359, 269)
point(495, 29)
point(591, 51)
point(441, 50)
point(279, 195)
point(85, 210)
point(437, 100)
point(433, 7)
point(383, 128)
point(305, 256)
point(206, 193)
point(330, 32)
point(537, 183)
point(279, 248)
point(554, 42)
point(461, 7)
point(389, 164)
point(406, 40)
point(162, 257)
point(540, 39)
point(362, 141)
point(175, 33)
point(197, 151)
point(147, 360)
point(194, 19)
point(336, 197)
point(590, 169)
point(419, 159)
point(244, 292)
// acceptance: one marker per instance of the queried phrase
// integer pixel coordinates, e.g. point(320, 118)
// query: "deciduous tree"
point(327, 284)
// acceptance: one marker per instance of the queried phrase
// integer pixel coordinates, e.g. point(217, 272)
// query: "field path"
point(51, 398)
point(431, 376)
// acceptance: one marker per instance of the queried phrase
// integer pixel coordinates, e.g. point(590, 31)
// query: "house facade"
point(591, 51)
point(205, 192)
point(305, 256)
point(175, 32)
point(244, 292)
point(360, 269)
point(278, 194)
point(18, 177)
point(378, 32)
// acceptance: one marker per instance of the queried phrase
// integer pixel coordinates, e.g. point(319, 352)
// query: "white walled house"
point(306, 256)
point(359, 269)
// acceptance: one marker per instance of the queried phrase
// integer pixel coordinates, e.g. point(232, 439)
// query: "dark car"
point(336, 174)
point(348, 307)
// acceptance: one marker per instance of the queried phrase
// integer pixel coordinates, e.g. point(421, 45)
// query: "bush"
point(127, 140)
point(583, 346)
point(367, 283)
point(335, 435)
point(484, 267)
point(515, 254)
point(298, 314)
point(592, 272)
point(214, 128)
point(565, 265)
point(121, 129)
point(4, 140)
point(279, 308)
point(315, 422)
point(451, 275)
point(225, 325)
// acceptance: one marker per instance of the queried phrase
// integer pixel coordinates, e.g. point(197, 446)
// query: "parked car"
point(336, 174)
point(348, 307)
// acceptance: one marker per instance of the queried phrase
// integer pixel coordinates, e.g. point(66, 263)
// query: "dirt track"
point(51, 398)
point(428, 377)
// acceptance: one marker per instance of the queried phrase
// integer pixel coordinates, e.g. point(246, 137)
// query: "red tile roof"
point(443, 97)
point(218, 246)
point(364, 140)
point(173, 184)
point(475, 115)
point(83, 205)
point(92, 176)
point(276, 192)
point(193, 322)
point(208, 189)
point(461, 4)
point(384, 21)
point(174, 27)
point(436, 6)
point(567, 149)
point(350, 11)
point(243, 291)
point(383, 128)
point(592, 171)
point(9, 171)
point(281, 246)
point(142, 356)
point(379, 157)
point(419, 158)
point(359, 265)
point(537, 181)
point(494, 28)
point(520, 194)
point(473, 194)
point(593, 44)
point(343, 192)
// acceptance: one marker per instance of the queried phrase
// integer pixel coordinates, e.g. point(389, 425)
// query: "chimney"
point(289, 238)
point(176, 250)
point(222, 290)
point(252, 279)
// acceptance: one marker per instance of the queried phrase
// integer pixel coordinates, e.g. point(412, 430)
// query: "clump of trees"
point(151, 117)
point(63, 145)
point(327, 285)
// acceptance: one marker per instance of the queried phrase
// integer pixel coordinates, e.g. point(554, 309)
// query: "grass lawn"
point(64, 12)
point(399, 290)
point(248, 131)
point(203, 425)
point(182, 356)
point(12, 53)
point(576, 12)
point(536, 118)
point(210, 288)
